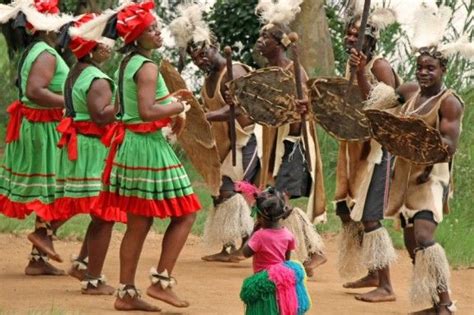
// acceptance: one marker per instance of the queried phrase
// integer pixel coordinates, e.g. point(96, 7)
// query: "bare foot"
point(221, 257)
point(377, 295)
point(369, 281)
point(428, 311)
point(443, 310)
point(45, 245)
point(76, 273)
point(237, 255)
point(42, 268)
point(134, 304)
point(315, 261)
point(166, 295)
point(102, 289)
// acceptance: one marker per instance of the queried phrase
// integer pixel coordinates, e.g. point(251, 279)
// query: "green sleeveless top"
point(60, 73)
point(130, 98)
point(81, 87)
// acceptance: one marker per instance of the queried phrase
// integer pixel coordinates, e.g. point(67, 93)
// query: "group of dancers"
point(80, 142)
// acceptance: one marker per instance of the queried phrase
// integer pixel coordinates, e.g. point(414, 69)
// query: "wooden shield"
point(338, 109)
point(197, 139)
point(408, 137)
point(267, 96)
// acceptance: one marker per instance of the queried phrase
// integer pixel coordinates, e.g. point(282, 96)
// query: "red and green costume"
point(81, 160)
point(28, 170)
point(143, 175)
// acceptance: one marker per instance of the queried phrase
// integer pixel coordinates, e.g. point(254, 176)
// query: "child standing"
point(277, 286)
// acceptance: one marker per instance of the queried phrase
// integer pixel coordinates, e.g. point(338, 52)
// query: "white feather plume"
point(189, 26)
point(461, 46)
point(429, 25)
point(280, 12)
point(9, 11)
point(44, 22)
point(380, 18)
point(93, 29)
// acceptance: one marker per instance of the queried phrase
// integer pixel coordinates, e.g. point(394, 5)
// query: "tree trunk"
point(315, 48)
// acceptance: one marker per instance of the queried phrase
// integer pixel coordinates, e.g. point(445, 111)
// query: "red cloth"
point(134, 19)
point(67, 207)
point(18, 110)
point(116, 134)
point(19, 210)
point(80, 47)
point(69, 130)
point(166, 208)
point(47, 6)
point(270, 247)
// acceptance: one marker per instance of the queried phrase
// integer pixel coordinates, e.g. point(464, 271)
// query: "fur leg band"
point(308, 240)
point(164, 279)
point(377, 249)
point(228, 222)
point(78, 263)
point(430, 275)
point(35, 255)
point(349, 260)
point(127, 289)
point(93, 282)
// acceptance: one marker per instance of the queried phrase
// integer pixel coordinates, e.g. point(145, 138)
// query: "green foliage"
point(336, 30)
point(234, 21)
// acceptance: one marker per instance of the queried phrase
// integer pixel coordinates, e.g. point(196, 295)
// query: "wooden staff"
point(360, 38)
point(230, 77)
point(299, 93)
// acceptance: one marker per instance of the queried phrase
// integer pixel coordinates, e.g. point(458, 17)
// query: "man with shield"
point(230, 218)
point(428, 127)
point(361, 173)
point(290, 155)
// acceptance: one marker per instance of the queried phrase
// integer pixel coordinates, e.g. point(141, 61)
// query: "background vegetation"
point(233, 21)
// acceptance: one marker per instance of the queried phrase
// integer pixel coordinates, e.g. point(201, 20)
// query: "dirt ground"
point(212, 288)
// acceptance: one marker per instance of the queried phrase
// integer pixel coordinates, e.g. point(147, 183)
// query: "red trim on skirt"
point(67, 207)
point(20, 210)
point(166, 208)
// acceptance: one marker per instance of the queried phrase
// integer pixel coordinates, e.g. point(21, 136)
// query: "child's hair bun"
point(272, 204)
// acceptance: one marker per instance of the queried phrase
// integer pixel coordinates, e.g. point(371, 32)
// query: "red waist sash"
point(69, 130)
point(116, 134)
point(18, 110)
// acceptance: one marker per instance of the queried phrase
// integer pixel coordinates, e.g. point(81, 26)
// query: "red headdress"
point(44, 15)
point(80, 46)
point(47, 6)
point(134, 19)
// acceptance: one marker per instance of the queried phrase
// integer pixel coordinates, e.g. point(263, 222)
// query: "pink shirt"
point(270, 247)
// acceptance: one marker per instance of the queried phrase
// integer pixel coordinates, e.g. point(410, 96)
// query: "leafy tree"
point(235, 24)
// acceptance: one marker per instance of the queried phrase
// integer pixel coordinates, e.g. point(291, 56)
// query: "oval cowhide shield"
point(408, 137)
point(267, 96)
point(197, 139)
point(338, 109)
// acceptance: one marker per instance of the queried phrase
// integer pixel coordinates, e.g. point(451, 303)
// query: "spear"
point(299, 94)
point(230, 77)
point(360, 38)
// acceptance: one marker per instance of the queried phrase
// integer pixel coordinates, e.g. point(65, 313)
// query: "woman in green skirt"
point(89, 109)
point(28, 170)
point(143, 176)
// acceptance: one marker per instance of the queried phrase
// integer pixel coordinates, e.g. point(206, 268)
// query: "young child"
point(277, 286)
